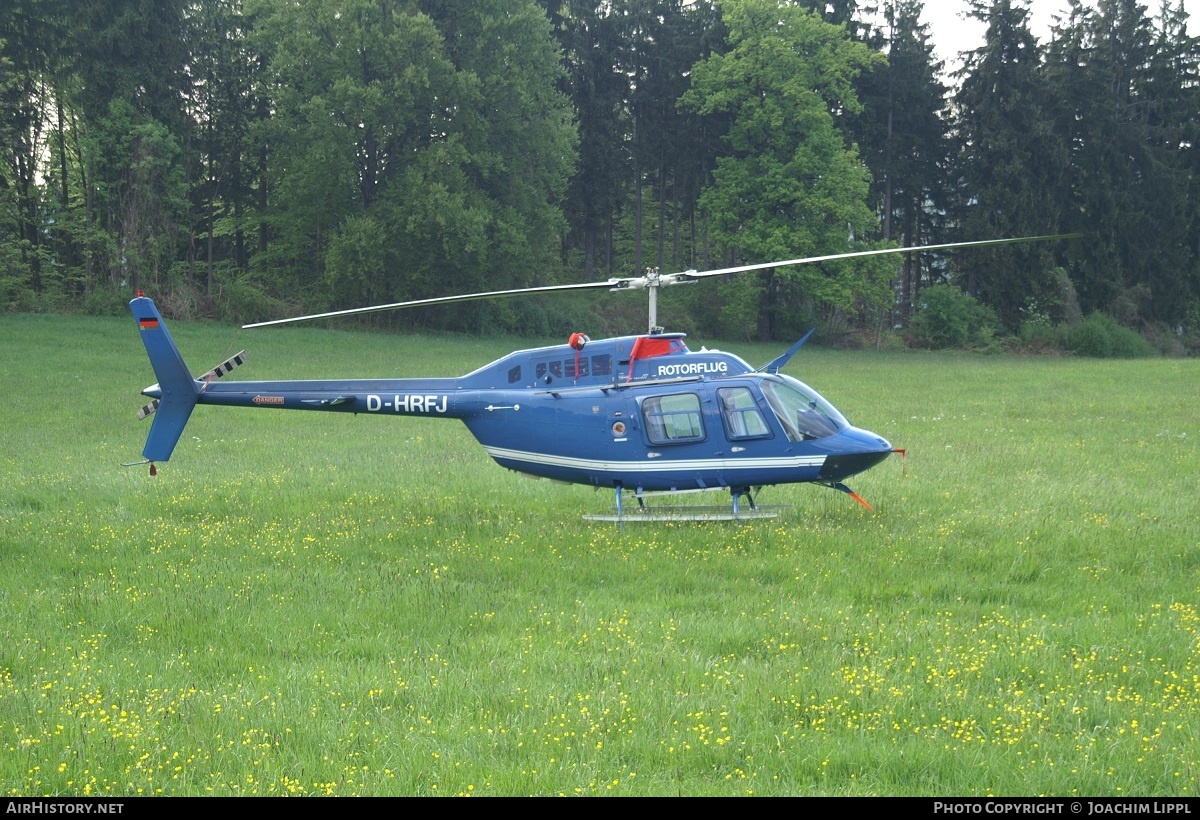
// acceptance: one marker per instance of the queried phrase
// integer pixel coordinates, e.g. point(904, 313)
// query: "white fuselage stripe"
point(656, 465)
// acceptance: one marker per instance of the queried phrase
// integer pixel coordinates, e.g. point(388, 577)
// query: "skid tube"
point(687, 513)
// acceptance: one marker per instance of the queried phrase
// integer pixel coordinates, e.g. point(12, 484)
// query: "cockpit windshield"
point(802, 412)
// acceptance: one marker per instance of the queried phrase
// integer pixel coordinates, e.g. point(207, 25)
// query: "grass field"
point(311, 604)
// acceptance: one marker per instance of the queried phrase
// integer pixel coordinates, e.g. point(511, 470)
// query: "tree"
point(521, 140)
point(1128, 110)
point(669, 142)
point(589, 37)
point(354, 87)
point(415, 150)
point(29, 59)
point(123, 82)
point(643, 158)
point(905, 141)
point(788, 184)
point(1012, 165)
point(226, 110)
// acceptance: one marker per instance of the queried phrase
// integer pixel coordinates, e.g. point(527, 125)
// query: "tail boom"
point(177, 392)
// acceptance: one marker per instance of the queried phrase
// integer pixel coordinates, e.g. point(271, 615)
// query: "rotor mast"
point(652, 281)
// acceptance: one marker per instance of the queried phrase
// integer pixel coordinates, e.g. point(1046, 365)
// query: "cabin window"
point(600, 365)
point(570, 368)
point(673, 419)
point(802, 412)
point(542, 368)
point(514, 374)
point(741, 414)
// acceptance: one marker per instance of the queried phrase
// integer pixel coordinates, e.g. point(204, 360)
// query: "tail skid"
point(176, 392)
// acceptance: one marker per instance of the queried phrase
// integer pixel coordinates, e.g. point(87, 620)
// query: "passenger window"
point(741, 414)
point(602, 365)
point(673, 419)
point(554, 368)
point(583, 368)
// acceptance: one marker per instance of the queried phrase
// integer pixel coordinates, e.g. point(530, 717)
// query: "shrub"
point(106, 301)
point(949, 318)
point(1101, 337)
point(1040, 337)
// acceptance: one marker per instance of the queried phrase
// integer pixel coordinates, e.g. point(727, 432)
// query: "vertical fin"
point(774, 365)
point(179, 391)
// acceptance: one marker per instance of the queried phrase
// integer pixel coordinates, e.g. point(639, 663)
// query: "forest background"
point(251, 159)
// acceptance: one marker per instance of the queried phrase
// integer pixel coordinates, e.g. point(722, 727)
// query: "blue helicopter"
point(641, 414)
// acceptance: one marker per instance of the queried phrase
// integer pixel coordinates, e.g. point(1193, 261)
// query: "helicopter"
point(642, 414)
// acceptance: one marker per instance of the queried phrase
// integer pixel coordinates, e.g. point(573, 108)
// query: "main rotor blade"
point(808, 260)
point(443, 300)
point(653, 280)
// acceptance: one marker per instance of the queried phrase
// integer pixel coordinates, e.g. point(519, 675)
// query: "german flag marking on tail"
point(148, 324)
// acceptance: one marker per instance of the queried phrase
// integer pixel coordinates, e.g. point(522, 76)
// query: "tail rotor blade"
point(236, 360)
point(147, 411)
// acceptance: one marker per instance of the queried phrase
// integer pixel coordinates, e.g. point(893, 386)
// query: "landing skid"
point(734, 512)
point(687, 514)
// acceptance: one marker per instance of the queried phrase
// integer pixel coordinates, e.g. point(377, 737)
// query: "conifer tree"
point(1011, 165)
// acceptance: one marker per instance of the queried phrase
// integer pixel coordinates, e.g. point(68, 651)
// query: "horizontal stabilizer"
point(216, 373)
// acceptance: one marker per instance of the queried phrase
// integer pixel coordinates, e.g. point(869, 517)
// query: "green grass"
point(311, 604)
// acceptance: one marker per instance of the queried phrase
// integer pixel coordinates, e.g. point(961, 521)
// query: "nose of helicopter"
point(851, 452)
